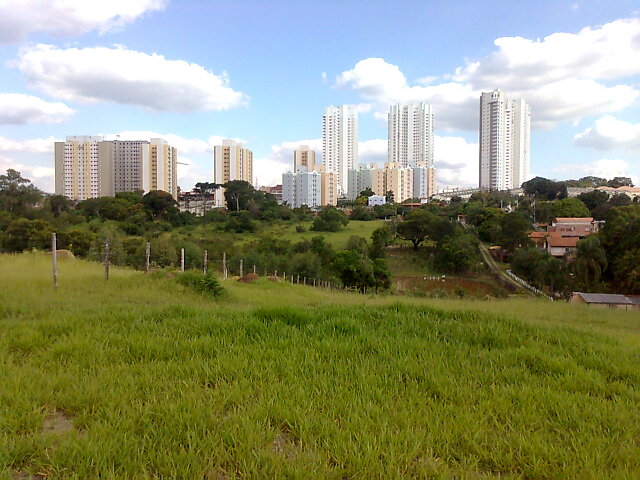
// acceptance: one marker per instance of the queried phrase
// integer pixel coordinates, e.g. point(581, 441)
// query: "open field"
point(139, 377)
point(337, 239)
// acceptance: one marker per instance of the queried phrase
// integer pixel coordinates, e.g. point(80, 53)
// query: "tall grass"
point(284, 381)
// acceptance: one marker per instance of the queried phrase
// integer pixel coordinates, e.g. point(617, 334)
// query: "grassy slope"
point(163, 383)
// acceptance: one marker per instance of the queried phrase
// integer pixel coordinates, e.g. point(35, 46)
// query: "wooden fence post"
point(182, 259)
point(54, 256)
point(106, 259)
point(147, 257)
point(205, 261)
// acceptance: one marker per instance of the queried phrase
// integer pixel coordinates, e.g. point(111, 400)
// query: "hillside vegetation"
point(141, 377)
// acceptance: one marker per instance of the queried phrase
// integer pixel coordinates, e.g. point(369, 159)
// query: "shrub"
point(202, 283)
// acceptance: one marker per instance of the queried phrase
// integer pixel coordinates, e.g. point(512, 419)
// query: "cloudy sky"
point(197, 71)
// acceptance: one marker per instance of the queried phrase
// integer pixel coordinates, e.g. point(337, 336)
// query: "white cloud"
point(126, 76)
point(564, 77)
point(609, 133)
point(41, 177)
point(67, 18)
point(373, 151)
point(268, 170)
point(36, 145)
point(19, 109)
point(456, 162)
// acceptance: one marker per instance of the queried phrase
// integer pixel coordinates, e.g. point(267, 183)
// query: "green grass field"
point(337, 239)
point(140, 378)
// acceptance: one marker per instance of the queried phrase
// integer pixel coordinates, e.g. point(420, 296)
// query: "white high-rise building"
point(302, 187)
point(411, 134)
point(90, 167)
point(504, 141)
point(340, 142)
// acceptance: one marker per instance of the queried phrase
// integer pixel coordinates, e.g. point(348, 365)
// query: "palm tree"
point(590, 262)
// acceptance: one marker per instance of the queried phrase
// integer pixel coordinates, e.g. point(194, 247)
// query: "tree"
point(620, 200)
point(544, 188)
point(594, 199)
point(456, 254)
point(570, 208)
point(380, 239)
point(17, 193)
point(389, 196)
point(618, 182)
point(238, 193)
point(514, 232)
point(59, 204)
point(329, 219)
point(590, 262)
point(367, 192)
point(23, 234)
point(160, 204)
point(415, 226)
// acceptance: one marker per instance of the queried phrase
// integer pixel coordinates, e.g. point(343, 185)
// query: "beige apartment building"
point(390, 178)
point(90, 167)
point(329, 187)
point(231, 161)
point(303, 157)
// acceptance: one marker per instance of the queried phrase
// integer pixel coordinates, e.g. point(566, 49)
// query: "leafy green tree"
point(358, 244)
point(59, 204)
point(23, 234)
point(381, 238)
point(390, 196)
point(361, 213)
point(416, 226)
point(329, 219)
point(17, 193)
point(594, 199)
point(367, 192)
point(590, 262)
point(456, 254)
point(618, 182)
point(570, 207)
point(78, 241)
point(545, 188)
point(620, 200)
point(514, 231)
point(160, 205)
point(239, 222)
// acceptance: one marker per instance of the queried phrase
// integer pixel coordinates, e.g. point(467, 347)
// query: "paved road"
point(488, 259)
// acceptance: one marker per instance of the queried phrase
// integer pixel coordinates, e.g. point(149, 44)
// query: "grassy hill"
point(139, 377)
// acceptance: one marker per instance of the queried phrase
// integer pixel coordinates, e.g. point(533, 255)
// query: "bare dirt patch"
point(57, 422)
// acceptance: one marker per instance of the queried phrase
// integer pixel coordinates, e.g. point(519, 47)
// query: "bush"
point(202, 283)
point(300, 229)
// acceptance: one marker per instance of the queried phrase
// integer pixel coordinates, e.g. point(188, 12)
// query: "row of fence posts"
point(147, 265)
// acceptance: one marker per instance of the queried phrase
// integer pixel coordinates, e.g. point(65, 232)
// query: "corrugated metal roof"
point(611, 298)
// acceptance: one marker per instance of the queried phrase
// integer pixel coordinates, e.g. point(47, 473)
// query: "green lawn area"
point(337, 239)
point(139, 377)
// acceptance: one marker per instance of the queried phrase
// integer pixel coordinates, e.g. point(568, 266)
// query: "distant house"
point(607, 300)
point(562, 236)
point(376, 200)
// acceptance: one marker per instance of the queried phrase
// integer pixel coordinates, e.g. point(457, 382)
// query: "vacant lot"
point(139, 377)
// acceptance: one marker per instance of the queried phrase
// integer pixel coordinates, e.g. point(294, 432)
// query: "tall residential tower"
point(340, 142)
point(231, 161)
point(411, 134)
point(90, 167)
point(504, 141)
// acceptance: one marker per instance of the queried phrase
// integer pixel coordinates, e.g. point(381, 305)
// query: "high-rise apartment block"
point(340, 142)
point(231, 161)
point(309, 184)
point(504, 141)
point(304, 157)
point(90, 167)
point(411, 134)
point(392, 178)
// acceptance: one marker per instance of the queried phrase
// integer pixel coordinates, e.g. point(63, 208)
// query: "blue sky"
point(263, 72)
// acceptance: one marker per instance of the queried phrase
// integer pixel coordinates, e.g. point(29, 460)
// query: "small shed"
point(603, 300)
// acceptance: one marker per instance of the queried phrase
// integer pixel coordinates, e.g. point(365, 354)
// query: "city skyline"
point(113, 71)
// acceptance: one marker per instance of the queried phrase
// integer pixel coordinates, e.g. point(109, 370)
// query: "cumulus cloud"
point(126, 76)
point(268, 170)
point(42, 177)
point(456, 162)
point(19, 109)
point(67, 18)
point(36, 145)
point(608, 133)
point(564, 77)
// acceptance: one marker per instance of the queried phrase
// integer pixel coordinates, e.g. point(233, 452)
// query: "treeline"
point(130, 220)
